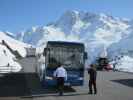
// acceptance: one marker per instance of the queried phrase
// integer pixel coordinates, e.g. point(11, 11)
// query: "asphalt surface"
point(111, 86)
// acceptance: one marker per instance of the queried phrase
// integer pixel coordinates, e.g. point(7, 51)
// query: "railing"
point(7, 69)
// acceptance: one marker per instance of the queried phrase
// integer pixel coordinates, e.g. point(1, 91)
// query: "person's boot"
point(90, 92)
point(60, 93)
point(95, 92)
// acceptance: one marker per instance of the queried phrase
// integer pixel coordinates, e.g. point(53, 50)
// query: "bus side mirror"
point(85, 55)
point(44, 51)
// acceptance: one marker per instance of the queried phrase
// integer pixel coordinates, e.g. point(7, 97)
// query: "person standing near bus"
point(92, 82)
point(61, 76)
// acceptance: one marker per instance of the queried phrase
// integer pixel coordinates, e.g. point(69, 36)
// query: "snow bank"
point(125, 64)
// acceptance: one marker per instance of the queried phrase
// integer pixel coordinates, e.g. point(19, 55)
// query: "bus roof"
point(64, 43)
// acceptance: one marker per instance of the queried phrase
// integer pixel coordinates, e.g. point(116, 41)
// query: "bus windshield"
point(70, 56)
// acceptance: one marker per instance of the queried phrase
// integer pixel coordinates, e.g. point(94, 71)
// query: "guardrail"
point(6, 69)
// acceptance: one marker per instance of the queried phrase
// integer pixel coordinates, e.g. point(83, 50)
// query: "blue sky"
point(17, 15)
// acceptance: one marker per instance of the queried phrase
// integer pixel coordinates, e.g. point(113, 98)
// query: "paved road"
point(111, 86)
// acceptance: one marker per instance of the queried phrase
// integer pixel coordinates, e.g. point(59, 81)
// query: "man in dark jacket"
point(92, 82)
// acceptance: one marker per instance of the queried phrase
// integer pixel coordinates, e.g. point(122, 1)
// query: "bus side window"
point(85, 55)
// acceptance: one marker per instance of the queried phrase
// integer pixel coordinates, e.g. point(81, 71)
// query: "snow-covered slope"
point(125, 64)
point(8, 61)
point(122, 53)
point(123, 47)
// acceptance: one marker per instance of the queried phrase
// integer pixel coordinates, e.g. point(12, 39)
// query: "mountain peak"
point(72, 16)
point(67, 19)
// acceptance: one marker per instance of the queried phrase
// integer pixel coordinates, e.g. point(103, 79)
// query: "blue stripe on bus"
point(75, 78)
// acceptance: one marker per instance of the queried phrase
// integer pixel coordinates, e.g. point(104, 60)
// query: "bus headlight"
point(80, 78)
point(49, 78)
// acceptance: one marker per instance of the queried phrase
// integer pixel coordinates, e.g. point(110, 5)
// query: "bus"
point(102, 63)
point(71, 54)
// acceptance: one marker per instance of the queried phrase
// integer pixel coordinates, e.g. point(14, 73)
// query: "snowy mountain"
point(9, 50)
point(95, 30)
point(80, 26)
